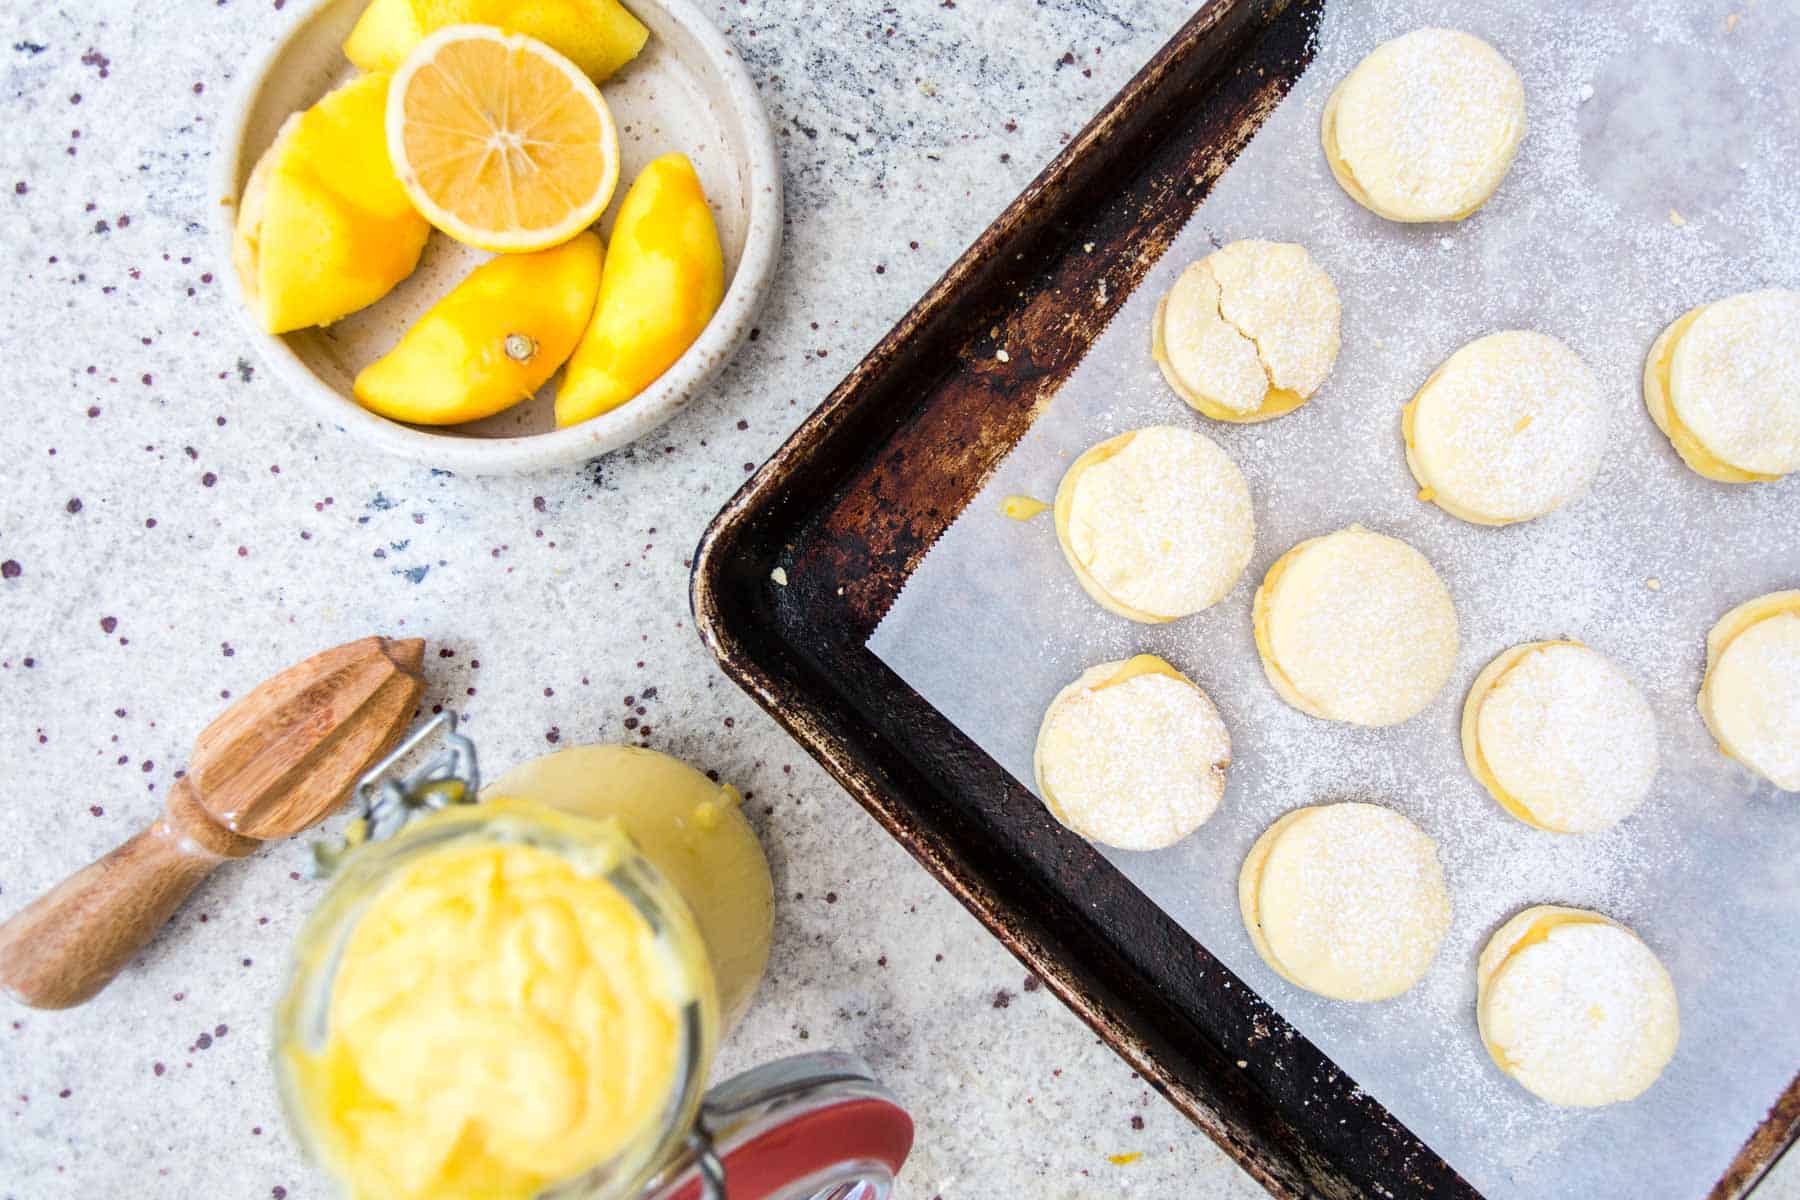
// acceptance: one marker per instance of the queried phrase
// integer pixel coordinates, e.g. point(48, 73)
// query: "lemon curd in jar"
point(690, 828)
point(503, 1001)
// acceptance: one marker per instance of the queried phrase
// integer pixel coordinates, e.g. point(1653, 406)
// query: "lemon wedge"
point(665, 277)
point(323, 228)
point(500, 141)
point(492, 341)
point(599, 35)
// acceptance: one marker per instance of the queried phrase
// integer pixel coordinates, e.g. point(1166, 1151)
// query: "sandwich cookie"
point(1355, 626)
point(1560, 737)
point(1425, 127)
point(1346, 900)
point(1750, 698)
point(1575, 1007)
point(1156, 523)
point(1510, 427)
point(1249, 332)
point(1132, 755)
point(1723, 384)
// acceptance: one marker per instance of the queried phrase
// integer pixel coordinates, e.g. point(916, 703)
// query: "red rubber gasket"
point(806, 1144)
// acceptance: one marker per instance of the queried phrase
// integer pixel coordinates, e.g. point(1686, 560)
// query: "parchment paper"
point(1658, 172)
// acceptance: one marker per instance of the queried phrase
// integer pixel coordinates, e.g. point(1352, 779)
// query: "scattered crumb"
point(1003, 356)
point(779, 575)
point(1123, 1160)
point(1676, 219)
point(1653, 583)
point(1731, 21)
point(1585, 94)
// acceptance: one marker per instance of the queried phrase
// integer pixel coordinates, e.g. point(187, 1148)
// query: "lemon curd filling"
point(1022, 508)
point(691, 829)
point(1662, 409)
point(1141, 664)
point(501, 1018)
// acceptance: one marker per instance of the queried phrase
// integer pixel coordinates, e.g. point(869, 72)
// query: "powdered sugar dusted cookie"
point(1249, 332)
point(1355, 626)
point(1750, 698)
point(1132, 755)
point(1156, 523)
point(1575, 1007)
point(1510, 427)
point(1346, 900)
point(1560, 737)
point(1723, 384)
point(1426, 126)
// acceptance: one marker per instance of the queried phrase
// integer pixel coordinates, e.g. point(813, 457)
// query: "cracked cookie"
point(1249, 332)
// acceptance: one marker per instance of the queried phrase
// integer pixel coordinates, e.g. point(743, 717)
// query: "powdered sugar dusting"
point(1755, 694)
point(1362, 627)
point(1585, 1016)
point(1353, 900)
point(1164, 526)
point(1513, 426)
point(1138, 764)
point(1576, 243)
point(1427, 122)
point(1735, 380)
point(1569, 737)
point(1275, 295)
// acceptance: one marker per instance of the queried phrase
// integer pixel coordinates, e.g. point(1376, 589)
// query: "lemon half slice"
point(500, 141)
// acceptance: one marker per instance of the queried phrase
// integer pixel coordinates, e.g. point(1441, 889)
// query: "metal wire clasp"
point(388, 801)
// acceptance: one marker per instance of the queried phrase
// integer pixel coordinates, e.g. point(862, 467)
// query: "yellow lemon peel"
point(599, 36)
point(492, 342)
point(324, 228)
point(664, 280)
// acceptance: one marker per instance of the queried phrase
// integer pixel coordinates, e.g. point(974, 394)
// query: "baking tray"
point(796, 571)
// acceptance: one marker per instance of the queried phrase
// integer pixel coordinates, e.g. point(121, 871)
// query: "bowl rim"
point(647, 411)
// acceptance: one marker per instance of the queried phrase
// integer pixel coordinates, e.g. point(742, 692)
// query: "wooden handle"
point(65, 946)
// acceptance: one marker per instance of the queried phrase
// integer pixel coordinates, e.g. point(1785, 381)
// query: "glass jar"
point(690, 828)
point(514, 1000)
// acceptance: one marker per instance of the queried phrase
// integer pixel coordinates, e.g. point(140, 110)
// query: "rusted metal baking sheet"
point(849, 505)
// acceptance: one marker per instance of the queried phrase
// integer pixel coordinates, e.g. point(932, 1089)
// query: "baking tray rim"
point(1764, 1148)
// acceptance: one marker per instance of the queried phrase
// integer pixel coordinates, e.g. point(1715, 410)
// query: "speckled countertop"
point(173, 529)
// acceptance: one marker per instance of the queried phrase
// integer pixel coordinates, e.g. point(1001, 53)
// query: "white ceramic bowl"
point(687, 91)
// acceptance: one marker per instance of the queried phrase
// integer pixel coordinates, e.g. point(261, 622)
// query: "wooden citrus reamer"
point(275, 762)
